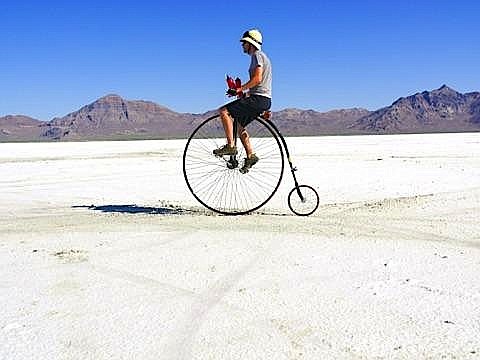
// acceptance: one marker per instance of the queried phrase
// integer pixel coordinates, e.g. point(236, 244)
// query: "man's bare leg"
point(227, 123)
point(245, 139)
point(251, 159)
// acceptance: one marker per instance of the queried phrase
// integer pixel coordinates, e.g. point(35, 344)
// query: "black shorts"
point(246, 109)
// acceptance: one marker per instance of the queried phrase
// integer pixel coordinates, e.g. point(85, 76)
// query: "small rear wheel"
point(303, 200)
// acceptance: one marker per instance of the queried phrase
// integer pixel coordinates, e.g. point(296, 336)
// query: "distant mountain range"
point(114, 118)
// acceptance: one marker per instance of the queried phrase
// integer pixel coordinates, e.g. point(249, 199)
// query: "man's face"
point(245, 46)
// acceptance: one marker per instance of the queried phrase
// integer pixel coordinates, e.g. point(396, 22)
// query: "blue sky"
point(56, 56)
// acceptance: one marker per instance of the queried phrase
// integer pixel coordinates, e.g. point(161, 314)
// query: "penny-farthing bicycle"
point(218, 184)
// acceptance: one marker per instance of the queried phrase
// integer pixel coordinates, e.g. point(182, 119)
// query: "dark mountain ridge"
point(440, 110)
point(112, 117)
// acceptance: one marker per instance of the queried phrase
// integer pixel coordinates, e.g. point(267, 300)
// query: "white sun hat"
point(253, 37)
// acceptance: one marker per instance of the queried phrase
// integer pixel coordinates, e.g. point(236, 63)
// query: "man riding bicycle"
point(246, 108)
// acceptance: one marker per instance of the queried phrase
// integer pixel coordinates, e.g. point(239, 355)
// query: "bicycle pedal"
point(232, 164)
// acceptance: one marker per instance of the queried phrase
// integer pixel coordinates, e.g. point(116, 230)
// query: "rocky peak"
point(448, 94)
point(106, 102)
point(111, 97)
point(445, 90)
point(442, 109)
point(443, 97)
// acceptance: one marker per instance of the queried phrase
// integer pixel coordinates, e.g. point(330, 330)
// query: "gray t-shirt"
point(265, 87)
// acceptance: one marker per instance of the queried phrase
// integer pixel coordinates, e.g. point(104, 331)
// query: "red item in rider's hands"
point(238, 85)
point(231, 83)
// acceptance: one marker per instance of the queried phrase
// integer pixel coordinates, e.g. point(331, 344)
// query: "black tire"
point(217, 184)
point(310, 201)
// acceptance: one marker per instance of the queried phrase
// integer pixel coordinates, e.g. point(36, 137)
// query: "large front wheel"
point(217, 183)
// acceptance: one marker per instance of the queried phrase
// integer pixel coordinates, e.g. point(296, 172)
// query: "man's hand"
point(235, 92)
point(232, 92)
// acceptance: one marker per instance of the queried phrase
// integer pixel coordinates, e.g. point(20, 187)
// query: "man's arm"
point(254, 80)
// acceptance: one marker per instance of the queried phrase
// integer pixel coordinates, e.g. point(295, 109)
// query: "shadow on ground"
point(166, 210)
point(135, 209)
